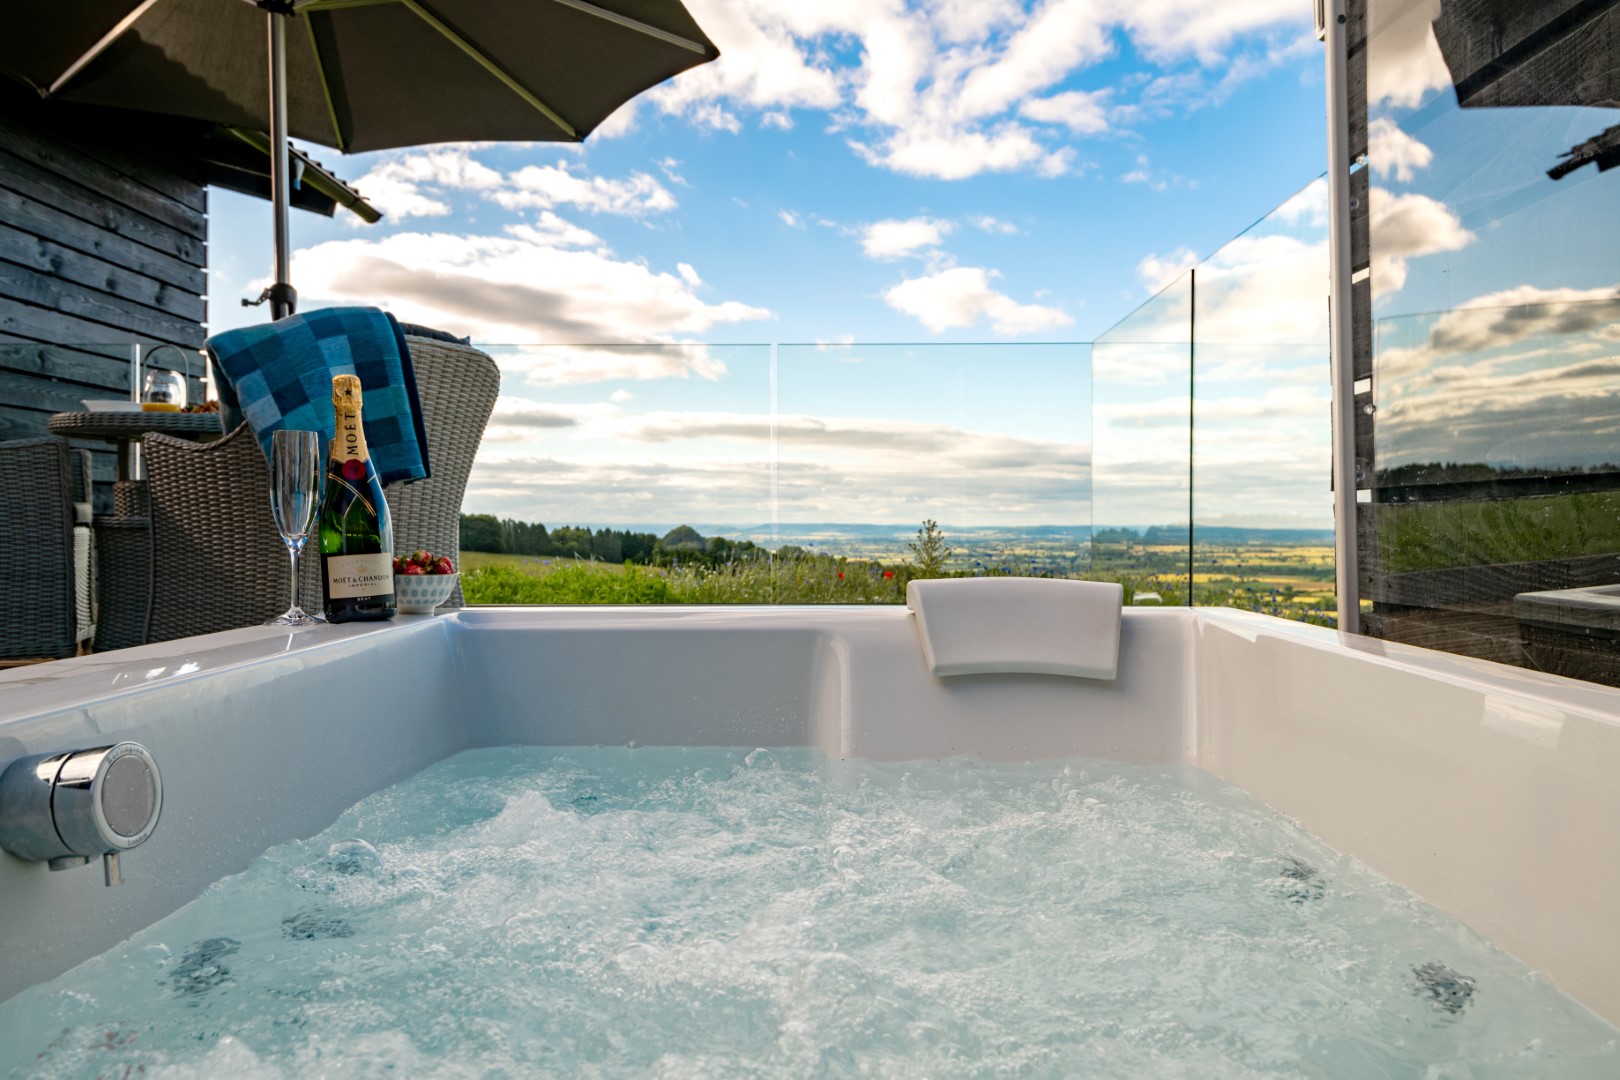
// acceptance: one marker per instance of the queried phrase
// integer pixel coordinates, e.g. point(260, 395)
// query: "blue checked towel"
point(279, 376)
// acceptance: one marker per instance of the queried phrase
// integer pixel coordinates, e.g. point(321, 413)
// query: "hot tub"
point(1488, 792)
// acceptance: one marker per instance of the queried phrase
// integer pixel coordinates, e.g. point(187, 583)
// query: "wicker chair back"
point(36, 548)
point(217, 560)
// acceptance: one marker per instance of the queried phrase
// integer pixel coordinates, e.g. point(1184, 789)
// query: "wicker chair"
point(457, 386)
point(47, 550)
point(217, 560)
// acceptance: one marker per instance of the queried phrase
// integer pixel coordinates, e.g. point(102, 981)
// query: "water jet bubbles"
point(761, 758)
point(354, 857)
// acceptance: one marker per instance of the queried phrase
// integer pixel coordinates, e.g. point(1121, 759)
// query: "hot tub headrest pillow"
point(976, 626)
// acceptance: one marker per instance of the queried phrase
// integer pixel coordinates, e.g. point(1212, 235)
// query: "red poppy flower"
point(887, 574)
point(840, 575)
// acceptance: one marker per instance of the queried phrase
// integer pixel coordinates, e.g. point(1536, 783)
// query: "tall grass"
point(789, 581)
point(784, 581)
point(577, 584)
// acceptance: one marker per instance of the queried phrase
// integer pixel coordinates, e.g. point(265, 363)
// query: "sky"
point(1496, 288)
point(847, 271)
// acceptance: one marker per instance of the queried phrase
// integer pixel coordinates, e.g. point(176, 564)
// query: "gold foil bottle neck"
point(346, 393)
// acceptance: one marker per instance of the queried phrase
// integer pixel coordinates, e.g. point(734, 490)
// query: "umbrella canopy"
point(358, 74)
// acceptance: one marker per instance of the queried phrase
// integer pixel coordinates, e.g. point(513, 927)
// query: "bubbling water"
point(657, 912)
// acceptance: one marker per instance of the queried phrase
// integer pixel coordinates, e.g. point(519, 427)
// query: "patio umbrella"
point(356, 74)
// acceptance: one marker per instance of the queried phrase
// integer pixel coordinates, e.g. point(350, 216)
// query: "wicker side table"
point(124, 538)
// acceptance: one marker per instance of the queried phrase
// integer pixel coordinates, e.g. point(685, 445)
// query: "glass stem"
point(292, 550)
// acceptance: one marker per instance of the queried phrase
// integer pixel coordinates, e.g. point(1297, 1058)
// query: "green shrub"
point(576, 584)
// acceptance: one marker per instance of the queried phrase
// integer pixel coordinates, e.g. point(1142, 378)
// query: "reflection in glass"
point(1493, 240)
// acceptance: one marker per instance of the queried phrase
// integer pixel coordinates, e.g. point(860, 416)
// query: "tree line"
point(682, 545)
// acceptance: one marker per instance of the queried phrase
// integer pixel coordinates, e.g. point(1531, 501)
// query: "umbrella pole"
point(283, 297)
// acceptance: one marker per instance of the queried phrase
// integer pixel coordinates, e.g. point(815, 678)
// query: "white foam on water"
point(713, 913)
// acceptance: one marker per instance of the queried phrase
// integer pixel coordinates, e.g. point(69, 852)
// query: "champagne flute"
point(295, 497)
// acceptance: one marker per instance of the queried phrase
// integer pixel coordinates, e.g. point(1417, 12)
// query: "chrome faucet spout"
point(67, 808)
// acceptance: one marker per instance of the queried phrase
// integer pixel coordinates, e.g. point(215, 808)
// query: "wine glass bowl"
point(295, 498)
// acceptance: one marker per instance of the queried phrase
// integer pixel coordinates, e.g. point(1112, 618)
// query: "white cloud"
point(413, 185)
point(939, 86)
point(1059, 37)
point(1522, 377)
point(711, 114)
point(620, 122)
point(549, 230)
point(991, 224)
point(1166, 30)
point(896, 239)
point(718, 466)
point(1157, 271)
point(1408, 226)
point(548, 186)
point(760, 64)
point(512, 289)
point(1392, 152)
point(668, 166)
point(790, 219)
point(958, 153)
point(779, 119)
point(688, 274)
point(1308, 206)
point(1082, 112)
point(967, 21)
point(1409, 60)
point(959, 297)
point(396, 197)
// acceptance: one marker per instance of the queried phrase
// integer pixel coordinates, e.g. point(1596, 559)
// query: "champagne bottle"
point(357, 535)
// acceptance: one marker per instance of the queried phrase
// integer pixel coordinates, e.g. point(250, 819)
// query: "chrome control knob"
point(67, 808)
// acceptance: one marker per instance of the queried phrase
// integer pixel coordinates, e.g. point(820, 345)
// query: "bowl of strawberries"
point(423, 581)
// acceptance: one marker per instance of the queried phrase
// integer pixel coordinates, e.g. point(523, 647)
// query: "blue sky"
point(939, 173)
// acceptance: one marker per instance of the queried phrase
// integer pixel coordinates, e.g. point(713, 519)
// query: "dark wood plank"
point(1486, 588)
point(1485, 635)
point(121, 317)
point(46, 187)
point(1361, 327)
point(1359, 218)
point(29, 215)
point(48, 257)
point(22, 423)
point(54, 156)
point(29, 323)
point(98, 371)
point(43, 395)
point(109, 136)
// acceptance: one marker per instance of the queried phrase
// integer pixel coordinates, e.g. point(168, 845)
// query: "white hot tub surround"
point(1490, 792)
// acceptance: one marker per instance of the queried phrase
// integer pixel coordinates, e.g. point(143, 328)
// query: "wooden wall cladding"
point(103, 245)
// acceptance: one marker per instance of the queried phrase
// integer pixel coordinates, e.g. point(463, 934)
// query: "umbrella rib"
point(633, 24)
point(98, 48)
point(490, 66)
point(326, 86)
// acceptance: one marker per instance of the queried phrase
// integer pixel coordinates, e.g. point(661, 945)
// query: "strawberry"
point(443, 565)
point(412, 569)
point(422, 558)
point(399, 566)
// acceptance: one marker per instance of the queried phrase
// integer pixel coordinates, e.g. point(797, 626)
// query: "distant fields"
point(1290, 580)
